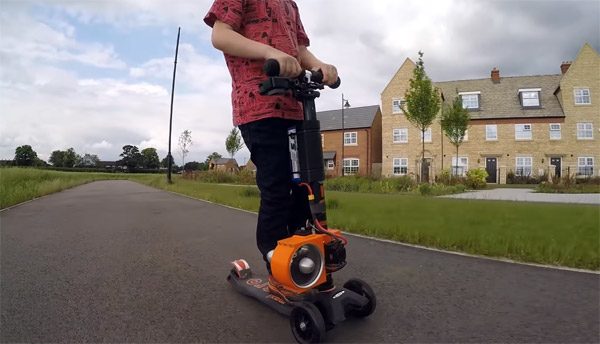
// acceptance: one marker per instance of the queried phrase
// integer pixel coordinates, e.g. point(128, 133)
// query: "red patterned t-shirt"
point(273, 22)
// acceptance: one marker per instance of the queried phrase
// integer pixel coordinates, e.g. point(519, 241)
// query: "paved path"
point(528, 195)
point(119, 262)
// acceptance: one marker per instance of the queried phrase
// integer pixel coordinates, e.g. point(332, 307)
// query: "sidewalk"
point(528, 195)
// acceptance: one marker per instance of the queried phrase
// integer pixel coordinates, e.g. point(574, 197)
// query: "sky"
point(96, 75)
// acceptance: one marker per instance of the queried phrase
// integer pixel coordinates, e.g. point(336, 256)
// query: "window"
point(460, 169)
point(523, 132)
point(350, 139)
point(470, 100)
point(401, 135)
point(582, 96)
point(400, 166)
point(530, 97)
point(397, 106)
point(554, 131)
point(585, 131)
point(330, 164)
point(427, 135)
point(524, 166)
point(585, 166)
point(322, 141)
point(350, 166)
point(491, 132)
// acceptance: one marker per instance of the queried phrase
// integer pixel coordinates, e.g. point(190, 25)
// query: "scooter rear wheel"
point(308, 325)
point(362, 288)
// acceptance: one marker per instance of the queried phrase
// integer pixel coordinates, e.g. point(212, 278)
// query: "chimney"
point(495, 75)
point(564, 67)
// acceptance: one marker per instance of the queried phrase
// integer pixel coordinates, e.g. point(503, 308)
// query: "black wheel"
point(307, 323)
point(362, 288)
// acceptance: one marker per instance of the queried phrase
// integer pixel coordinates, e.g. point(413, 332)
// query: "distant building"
point(224, 164)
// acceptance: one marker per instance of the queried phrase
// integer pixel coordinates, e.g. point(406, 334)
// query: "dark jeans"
point(283, 204)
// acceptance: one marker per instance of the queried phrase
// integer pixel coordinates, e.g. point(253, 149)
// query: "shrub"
point(512, 178)
point(216, 177)
point(246, 177)
point(446, 178)
point(425, 189)
point(476, 178)
point(363, 184)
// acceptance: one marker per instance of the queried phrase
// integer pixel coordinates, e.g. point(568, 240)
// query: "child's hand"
point(330, 75)
point(289, 67)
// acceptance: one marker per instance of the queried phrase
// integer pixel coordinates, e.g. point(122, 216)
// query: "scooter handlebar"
point(271, 69)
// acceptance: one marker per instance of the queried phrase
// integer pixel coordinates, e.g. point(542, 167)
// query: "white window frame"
point(351, 138)
point(330, 164)
point(322, 141)
point(397, 106)
point(428, 136)
point(470, 100)
point(523, 132)
point(523, 166)
point(554, 131)
point(587, 167)
point(462, 167)
point(351, 166)
point(530, 91)
point(585, 131)
point(400, 166)
point(400, 135)
point(488, 137)
point(582, 96)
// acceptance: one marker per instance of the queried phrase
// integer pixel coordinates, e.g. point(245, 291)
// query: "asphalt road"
point(120, 262)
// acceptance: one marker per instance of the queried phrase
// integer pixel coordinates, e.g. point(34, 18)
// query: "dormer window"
point(530, 97)
point(470, 100)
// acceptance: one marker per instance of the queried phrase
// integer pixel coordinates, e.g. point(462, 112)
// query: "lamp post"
point(345, 104)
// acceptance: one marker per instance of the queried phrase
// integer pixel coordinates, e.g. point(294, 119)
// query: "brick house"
point(361, 138)
point(526, 125)
point(224, 164)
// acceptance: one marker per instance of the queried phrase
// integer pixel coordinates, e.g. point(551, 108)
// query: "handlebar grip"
point(271, 69)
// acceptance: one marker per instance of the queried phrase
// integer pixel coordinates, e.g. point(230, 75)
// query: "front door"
point(491, 167)
point(425, 171)
point(557, 165)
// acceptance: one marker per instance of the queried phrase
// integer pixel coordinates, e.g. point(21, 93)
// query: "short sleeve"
point(227, 11)
point(300, 33)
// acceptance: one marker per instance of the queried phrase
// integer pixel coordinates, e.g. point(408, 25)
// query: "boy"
point(249, 32)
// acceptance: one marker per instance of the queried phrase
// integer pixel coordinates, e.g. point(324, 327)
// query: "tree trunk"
point(423, 154)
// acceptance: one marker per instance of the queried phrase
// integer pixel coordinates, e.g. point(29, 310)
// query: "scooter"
point(304, 262)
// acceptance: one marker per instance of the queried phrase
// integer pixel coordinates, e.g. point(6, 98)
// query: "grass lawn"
point(556, 234)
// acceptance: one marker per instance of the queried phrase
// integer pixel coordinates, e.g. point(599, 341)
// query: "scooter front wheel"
point(362, 288)
point(308, 325)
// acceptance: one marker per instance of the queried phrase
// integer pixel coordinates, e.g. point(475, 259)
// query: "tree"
point(70, 158)
point(150, 158)
point(455, 121)
point(233, 143)
point(56, 158)
point(131, 157)
point(185, 141)
point(88, 160)
point(193, 166)
point(25, 156)
point(422, 103)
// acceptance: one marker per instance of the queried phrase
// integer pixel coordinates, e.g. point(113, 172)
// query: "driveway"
point(528, 195)
point(115, 261)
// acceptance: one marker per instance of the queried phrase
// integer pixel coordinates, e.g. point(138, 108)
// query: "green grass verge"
point(556, 234)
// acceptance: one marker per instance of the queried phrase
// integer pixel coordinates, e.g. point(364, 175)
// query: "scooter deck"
point(257, 288)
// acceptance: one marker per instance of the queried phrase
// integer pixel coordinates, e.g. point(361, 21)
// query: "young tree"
point(233, 143)
point(25, 156)
point(185, 141)
point(422, 104)
point(131, 157)
point(150, 158)
point(455, 121)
